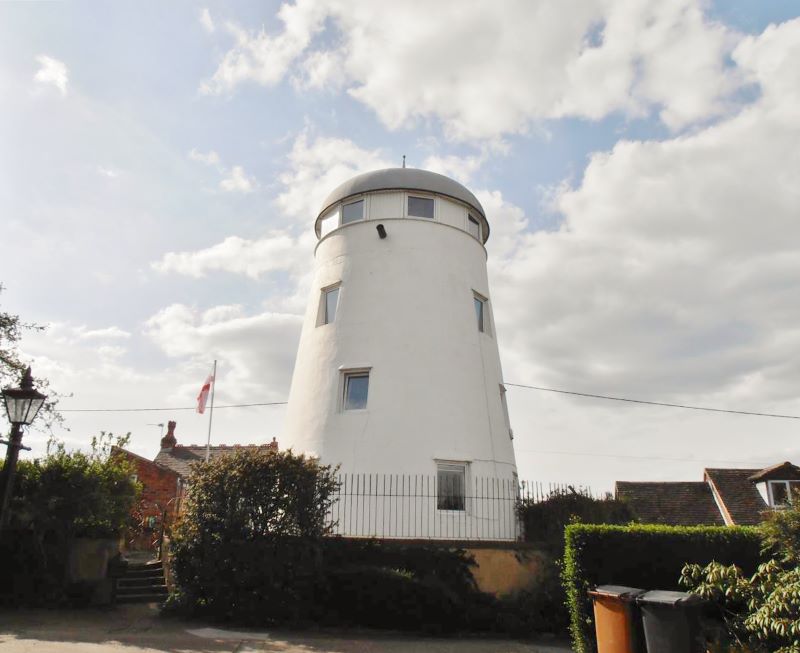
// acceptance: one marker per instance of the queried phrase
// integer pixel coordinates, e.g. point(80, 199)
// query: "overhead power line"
point(139, 410)
point(514, 385)
point(634, 457)
point(652, 403)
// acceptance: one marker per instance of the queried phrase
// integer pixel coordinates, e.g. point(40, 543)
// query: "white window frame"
point(423, 196)
point(353, 200)
point(453, 466)
point(770, 493)
point(346, 375)
point(471, 219)
point(322, 309)
point(482, 322)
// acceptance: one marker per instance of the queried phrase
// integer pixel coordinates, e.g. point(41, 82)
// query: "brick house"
point(164, 478)
point(725, 497)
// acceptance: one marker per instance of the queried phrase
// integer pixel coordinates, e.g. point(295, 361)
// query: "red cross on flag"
point(202, 398)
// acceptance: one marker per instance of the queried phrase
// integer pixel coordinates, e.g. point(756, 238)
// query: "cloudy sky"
point(161, 165)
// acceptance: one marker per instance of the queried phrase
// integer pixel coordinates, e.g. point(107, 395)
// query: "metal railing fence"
point(408, 506)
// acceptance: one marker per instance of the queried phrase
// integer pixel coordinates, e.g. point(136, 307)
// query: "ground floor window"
point(451, 486)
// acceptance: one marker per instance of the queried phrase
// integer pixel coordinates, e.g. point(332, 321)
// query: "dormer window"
point(781, 493)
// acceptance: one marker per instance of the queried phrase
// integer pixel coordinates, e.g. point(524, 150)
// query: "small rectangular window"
point(480, 313)
point(328, 223)
point(331, 301)
point(420, 207)
point(474, 227)
point(353, 212)
point(356, 389)
point(451, 481)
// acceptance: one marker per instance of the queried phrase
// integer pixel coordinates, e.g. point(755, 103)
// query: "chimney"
point(169, 441)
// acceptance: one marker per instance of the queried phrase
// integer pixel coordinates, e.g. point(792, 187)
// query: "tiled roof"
point(780, 472)
point(181, 457)
point(738, 493)
point(674, 503)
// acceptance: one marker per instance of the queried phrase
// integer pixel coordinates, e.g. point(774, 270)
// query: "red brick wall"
point(159, 485)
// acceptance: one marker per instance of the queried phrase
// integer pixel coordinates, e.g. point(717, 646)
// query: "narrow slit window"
point(353, 212)
point(474, 227)
point(356, 390)
point(451, 491)
point(480, 312)
point(420, 207)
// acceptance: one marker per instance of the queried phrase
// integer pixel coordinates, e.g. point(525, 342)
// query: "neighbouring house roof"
point(675, 503)
point(780, 472)
point(180, 458)
point(738, 494)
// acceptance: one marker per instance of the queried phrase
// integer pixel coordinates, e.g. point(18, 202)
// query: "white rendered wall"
point(406, 312)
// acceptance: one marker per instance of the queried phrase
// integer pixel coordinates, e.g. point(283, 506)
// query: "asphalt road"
point(139, 629)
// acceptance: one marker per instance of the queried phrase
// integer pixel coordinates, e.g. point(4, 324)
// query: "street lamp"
point(22, 405)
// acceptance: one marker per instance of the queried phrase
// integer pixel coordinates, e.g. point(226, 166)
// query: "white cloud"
point(461, 168)
point(210, 158)
point(107, 172)
point(252, 258)
point(237, 181)
point(675, 271)
point(206, 21)
point(262, 58)
point(52, 72)
point(316, 167)
point(497, 69)
point(257, 352)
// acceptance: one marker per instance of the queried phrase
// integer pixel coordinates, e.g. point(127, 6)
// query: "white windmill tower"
point(398, 370)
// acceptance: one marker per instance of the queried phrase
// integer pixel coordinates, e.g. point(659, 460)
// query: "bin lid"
point(662, 597)
point(617, 591)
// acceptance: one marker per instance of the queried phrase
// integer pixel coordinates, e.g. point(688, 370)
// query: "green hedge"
point(644, 556)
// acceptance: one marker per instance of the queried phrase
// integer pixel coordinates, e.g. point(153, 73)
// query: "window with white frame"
point(355, 389)
point(781, 493)
point(480, 311)
point(474, 227)
point(352, 212)
point(420, 207)
point(328, 303)
point(328, 223)
point(451, 486)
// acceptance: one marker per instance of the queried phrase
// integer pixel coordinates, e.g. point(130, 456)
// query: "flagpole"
point(211, 411)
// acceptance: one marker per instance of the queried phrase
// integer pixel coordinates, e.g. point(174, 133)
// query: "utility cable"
point(651, 403)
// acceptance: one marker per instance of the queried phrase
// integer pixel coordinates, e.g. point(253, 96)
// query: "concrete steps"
point(141, 583)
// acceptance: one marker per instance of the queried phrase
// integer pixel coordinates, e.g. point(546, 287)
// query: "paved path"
point(139, 629)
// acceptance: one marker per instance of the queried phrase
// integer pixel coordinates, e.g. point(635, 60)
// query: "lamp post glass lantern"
point(22, 405)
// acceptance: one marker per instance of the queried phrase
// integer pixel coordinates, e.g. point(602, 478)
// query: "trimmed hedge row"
point(645, 556)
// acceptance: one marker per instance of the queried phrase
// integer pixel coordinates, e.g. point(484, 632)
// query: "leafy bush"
point(645, 556)
point(762, 611)
point(64, 495)
point(248, 544)
point(544, 521)
point(545, 606)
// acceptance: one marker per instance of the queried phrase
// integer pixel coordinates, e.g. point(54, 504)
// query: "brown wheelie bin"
point(617, 623)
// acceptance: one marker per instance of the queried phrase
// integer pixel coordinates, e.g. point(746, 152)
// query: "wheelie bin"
point(672, 622)
point(617, 624)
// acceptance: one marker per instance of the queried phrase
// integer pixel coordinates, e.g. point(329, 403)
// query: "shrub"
point(644, 556)
point(248, 544)
point(544, 521)
point(762, 611)
point(64, 495)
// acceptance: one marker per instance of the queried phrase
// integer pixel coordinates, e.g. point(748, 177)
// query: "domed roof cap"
point(403, 179)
